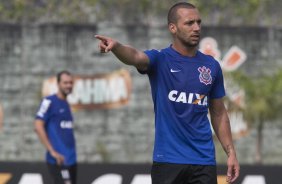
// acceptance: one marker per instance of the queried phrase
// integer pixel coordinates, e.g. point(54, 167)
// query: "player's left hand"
point(233, 169)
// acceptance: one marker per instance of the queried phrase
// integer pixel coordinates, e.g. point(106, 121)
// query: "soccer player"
point(185, 84)
point(54, 126)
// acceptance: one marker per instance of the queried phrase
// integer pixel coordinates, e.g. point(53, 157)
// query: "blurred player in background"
point(54, 126)
point(185, 84)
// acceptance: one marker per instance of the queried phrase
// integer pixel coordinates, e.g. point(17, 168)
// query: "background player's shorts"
point(167, 173)
point(63, 174)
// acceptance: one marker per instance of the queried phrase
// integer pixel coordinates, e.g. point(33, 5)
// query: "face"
point(65, 85)
point(188, 27)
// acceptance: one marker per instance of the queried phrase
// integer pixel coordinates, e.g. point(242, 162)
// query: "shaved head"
point(172, 16)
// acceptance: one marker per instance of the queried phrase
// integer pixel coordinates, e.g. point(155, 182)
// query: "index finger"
point(100, 37)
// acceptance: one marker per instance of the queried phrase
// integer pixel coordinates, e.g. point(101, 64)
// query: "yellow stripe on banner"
point(5, 177)
point(221, 179)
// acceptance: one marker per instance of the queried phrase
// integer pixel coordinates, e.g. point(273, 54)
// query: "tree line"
point(216, 12)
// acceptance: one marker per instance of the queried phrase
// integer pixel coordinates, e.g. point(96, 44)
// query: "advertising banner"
point(37, 173)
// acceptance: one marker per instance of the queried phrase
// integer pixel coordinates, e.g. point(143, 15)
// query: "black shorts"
point(63, 174)
point(167, 173)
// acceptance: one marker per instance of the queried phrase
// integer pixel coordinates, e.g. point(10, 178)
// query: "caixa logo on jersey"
point(188, 98)
point(66, 124)
point(100, 91)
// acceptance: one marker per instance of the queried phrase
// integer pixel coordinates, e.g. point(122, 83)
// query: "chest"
point(187, 75)
point(61, 111)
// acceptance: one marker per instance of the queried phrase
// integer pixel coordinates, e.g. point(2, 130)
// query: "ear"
point(172, 28)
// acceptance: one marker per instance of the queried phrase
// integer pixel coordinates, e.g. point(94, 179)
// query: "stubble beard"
point(189, 44)
point(66, 92)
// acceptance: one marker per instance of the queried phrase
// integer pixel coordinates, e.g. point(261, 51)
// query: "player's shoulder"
point(158, 51)
point(49, 99)
point(168, 51)
point(45, 105)
point(208, 58)
point(152, 51)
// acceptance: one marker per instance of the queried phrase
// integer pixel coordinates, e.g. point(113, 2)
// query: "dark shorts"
point(63, 174)
point(167, 173)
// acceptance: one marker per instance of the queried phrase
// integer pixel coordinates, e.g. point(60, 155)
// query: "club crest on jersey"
point(205, 75)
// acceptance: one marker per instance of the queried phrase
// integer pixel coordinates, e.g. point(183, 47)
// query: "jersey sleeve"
point(43, 110)
point(153, 58)
point(218, 90)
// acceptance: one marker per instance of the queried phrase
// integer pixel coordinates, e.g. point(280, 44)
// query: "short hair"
point(59, 75)
point(172, 13)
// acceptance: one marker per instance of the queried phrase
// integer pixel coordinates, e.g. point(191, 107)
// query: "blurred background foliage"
point(262, 102)
point(216, 12)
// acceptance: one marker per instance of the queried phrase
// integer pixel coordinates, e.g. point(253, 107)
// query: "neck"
point(185, 50)
point(61, 96)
